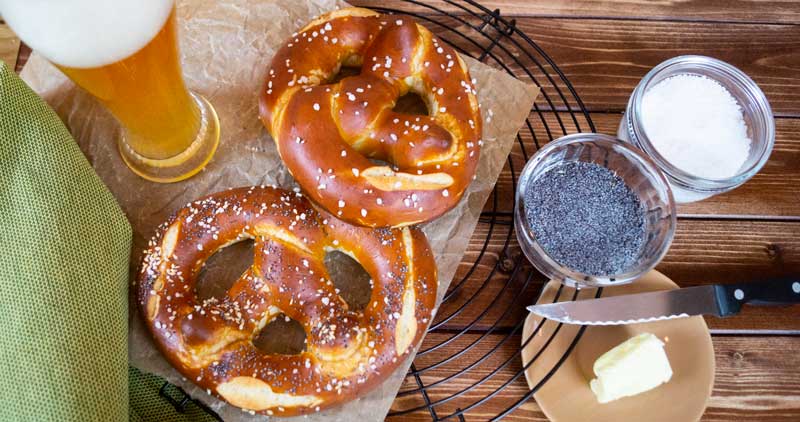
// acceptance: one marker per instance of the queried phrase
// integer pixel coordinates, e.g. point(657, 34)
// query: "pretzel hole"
point(383, 163)
point(347, 70)
point(411, 103)
point(350, 278)
point(223, 268)
point(282, 336)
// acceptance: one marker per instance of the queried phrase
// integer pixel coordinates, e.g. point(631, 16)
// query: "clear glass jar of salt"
point(706, 124)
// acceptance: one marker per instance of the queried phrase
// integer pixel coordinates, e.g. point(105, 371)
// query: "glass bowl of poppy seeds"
point(593, 211)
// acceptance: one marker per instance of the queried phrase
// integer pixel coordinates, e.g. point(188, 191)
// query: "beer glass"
point(125, 54)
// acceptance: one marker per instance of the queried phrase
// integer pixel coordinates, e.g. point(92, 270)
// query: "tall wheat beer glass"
point(125, 53)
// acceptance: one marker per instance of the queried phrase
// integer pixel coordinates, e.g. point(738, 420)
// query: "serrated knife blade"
point(635, 308)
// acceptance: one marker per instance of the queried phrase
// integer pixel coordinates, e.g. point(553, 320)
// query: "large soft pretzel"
point(347, 352)
point(328, 134)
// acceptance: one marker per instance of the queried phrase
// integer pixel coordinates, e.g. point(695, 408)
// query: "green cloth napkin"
point(64, 250)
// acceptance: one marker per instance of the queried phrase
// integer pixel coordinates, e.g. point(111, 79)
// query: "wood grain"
point(9, 45)
point(703, 252)
point(774, 191)
point(605, 59)
point(756, 379)
point(685, 10)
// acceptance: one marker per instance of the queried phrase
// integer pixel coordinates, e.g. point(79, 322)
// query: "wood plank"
point(756, 379)
point(703, 252)
point(605, 59)
point(690, 10)
point(774, 191)
point(9, 46)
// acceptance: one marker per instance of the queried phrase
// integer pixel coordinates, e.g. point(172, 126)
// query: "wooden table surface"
point(604, 48)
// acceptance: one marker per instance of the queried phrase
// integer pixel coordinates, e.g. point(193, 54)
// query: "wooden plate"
point(566, 396)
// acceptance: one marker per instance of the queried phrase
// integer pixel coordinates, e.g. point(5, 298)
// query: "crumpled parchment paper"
point(226, 48)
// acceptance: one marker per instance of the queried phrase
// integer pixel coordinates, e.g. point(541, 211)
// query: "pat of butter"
point(635, 366)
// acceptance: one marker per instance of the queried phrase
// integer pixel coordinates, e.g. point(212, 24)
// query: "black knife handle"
point(781, 291)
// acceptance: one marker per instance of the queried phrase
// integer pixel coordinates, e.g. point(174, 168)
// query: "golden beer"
point(169, 133)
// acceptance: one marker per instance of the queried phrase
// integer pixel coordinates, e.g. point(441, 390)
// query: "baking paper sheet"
point(226, 48)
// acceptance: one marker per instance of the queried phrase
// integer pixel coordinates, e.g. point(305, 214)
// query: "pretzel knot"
point(330, 134)
point(347, 352)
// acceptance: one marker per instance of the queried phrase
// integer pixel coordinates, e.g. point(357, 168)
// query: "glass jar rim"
point(679, 175)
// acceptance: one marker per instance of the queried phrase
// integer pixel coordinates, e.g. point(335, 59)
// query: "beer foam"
point(86, 33)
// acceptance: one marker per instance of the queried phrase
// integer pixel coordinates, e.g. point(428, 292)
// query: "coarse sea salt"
point(696, 125)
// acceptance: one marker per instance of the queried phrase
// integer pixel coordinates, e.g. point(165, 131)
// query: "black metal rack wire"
point(461, 371)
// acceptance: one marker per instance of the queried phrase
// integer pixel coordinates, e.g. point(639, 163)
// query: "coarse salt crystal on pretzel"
point(347, 352)
point(328, 134)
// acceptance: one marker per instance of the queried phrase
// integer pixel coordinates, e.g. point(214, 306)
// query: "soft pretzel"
point(347, 352)
point(328, 134)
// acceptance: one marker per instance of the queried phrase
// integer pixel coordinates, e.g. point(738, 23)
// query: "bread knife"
point(720, 300)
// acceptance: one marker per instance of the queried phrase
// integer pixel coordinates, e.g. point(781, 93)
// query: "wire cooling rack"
point(463, 371)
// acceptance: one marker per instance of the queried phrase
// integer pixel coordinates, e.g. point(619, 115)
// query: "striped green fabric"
point(64, 251)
